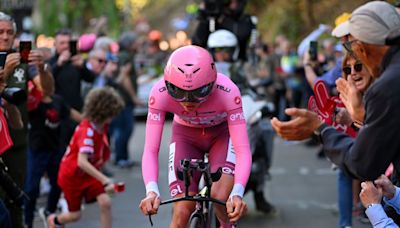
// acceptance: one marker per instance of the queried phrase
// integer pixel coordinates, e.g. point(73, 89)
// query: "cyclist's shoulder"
point(225, 84)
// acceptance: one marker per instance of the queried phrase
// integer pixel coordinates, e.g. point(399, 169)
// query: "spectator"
point(44, 154)
point(18, 74)
point(230, 16)
point(68, 73)
point(123, 124)
point(96, 62)
point(371, 197)
point(79, 176)
point(11, 112)
point(374, 28)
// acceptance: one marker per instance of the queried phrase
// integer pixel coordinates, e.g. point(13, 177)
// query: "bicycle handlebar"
point(195, 199)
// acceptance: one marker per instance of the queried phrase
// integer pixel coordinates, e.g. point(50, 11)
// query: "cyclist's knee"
point(182, 211)
point(221, 189)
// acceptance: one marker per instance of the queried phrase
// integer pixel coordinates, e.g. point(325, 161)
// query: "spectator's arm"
point(125, 82)
point(349, 154)
point(378, 217)
point(395, 201)
point(75, 115)
point(86, 74)
point(44, 80)
point(13, 115)
point(88, 168)
point(311, 76)
point(314, 35)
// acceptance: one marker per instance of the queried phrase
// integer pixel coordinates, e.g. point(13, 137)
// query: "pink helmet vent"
point(190, 67)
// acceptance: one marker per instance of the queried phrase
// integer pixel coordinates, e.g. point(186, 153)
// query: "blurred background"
point(41, 18)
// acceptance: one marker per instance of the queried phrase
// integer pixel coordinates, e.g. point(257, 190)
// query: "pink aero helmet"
point(190, 67)
point(190, 74)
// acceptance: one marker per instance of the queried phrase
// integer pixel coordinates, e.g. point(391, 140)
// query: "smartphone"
point(73, 47)
point(313, 50)
point(3, 56)
point(25, 48)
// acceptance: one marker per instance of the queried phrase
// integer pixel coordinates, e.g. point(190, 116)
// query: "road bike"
point(203, 216)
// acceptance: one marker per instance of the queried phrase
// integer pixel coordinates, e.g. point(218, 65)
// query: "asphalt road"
point(302, 187)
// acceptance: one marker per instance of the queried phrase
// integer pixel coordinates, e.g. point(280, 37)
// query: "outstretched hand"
point(150, 204)
point(235, 207)
point(301, 126)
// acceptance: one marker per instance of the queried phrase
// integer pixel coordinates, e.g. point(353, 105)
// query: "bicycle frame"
point(203, 198)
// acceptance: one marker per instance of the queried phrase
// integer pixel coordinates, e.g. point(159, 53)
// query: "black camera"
point(14, 95)
point(13, 191)
point(214, 8)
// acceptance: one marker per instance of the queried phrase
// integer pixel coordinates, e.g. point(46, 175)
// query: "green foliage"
point(75, 14)
point(297, 18)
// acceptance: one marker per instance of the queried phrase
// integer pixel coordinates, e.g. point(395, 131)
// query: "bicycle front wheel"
point(212, 221)
point(196, 221)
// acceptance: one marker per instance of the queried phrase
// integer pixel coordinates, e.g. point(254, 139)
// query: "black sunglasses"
point(197, 96)
point(347, 45)
point(101, 61)
point(357, 68)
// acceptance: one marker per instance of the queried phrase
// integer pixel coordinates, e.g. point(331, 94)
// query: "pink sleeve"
point(237, 131)
point(240, 141)
point(154, 128)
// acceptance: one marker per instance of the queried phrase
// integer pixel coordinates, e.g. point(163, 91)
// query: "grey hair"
point(103, 43)
point(95, 51)
point(8, 18)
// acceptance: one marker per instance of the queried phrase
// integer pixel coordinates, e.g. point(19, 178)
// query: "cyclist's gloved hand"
point(235, 207)
point(150, 204)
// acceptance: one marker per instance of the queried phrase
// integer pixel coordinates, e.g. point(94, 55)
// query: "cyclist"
point(208, 118)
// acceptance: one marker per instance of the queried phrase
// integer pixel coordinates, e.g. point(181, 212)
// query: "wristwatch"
point(319, 131)
point(372, 204)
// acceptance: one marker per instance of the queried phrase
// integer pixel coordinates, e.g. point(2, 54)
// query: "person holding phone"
point(69, 69)
point(17, 74)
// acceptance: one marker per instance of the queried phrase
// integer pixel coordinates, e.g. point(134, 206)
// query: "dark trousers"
point(4, 216)
point(15, 160)
point(39, 163)
point(120, 131)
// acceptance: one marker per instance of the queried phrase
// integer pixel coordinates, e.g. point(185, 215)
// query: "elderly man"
point(17, 74)
point(374, 34)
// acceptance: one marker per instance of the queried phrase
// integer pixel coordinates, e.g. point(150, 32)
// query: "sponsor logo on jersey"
point(88, 142)
point(176, 190)
point(236, 116)
point(227, 170)
point(228, 90)
point(154, 116)
point(89, 132)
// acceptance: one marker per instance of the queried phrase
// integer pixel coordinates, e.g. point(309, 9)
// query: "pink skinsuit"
point(223, 105)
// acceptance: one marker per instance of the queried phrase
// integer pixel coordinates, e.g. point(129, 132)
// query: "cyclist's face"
point(189, 106)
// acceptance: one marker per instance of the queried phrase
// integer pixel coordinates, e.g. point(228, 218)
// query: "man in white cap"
point(374, 37)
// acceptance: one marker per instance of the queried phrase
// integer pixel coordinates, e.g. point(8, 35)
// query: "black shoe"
point(263, 205)
point(321, 154)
